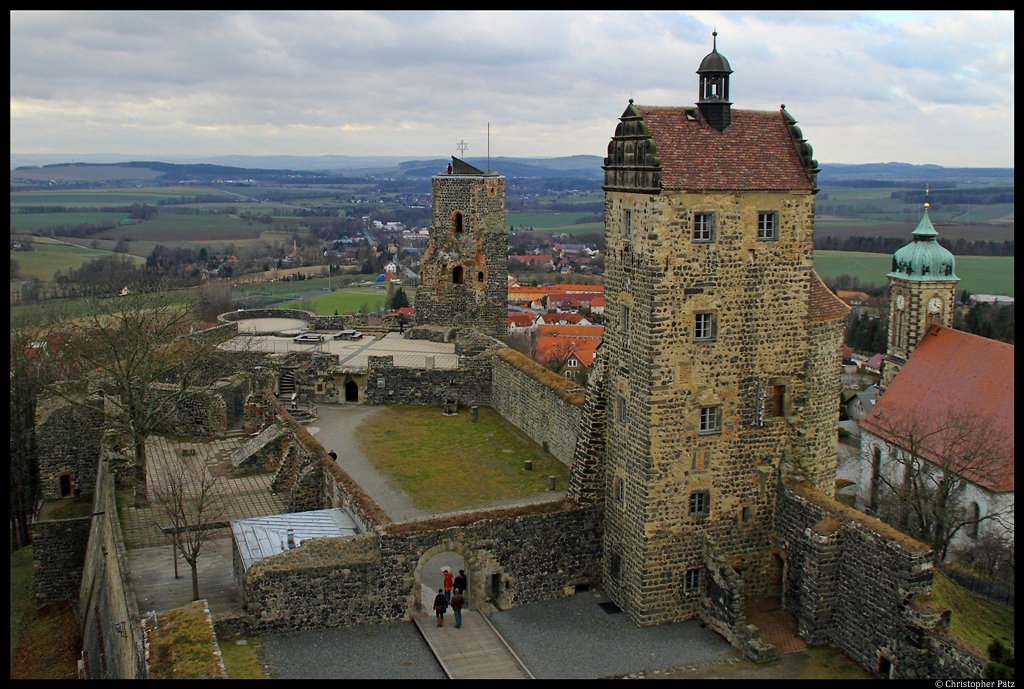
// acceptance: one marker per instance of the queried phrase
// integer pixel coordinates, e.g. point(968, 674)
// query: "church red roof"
point(755, 152)
point(953, 372)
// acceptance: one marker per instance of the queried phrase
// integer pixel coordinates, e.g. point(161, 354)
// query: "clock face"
point(934, 305)
point(900, 302)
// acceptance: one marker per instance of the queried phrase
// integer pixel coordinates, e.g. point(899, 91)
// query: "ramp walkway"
point(474, 651)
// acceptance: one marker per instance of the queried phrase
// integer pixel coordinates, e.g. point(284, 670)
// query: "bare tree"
point(933, 461)
point(189, 495)
point(135, 343)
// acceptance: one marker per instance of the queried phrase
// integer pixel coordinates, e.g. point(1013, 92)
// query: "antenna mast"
point(488, 148)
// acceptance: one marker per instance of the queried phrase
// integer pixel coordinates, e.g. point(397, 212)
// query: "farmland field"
point(170, 228)
point(48, 258)
point(978, 274)
point(560, 221)
point(30, 222)
point(98, 198)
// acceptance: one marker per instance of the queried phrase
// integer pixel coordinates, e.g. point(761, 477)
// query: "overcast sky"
point(915, 87)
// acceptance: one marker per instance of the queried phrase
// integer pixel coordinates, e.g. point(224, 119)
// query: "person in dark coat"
point(460, 582)
point(457, 602)
point(440, 605)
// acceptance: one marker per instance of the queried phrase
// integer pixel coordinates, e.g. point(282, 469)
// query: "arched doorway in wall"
point(65, 485)
point(351, 391)
point(776, 579)
point(432, 577)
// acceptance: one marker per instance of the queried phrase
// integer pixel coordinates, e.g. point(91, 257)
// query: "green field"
point(560, 221)
point(31, 222)
point(341, 301)
point(978, 274)
point(47, 258)
point(97, 198)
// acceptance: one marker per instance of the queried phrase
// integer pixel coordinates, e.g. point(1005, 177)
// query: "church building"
point(719, 371)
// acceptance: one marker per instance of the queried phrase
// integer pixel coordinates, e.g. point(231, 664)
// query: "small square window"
point(710, 420)
point(700, 503)
point(746, 514)
point(704, 327)
point(778, 400)
point(766, 225)
point(692, 582)
point(703, 227)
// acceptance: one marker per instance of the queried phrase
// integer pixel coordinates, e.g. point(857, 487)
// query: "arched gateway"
point(481, 570)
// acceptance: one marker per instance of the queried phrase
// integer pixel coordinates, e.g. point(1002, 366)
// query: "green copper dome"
point(923, 259)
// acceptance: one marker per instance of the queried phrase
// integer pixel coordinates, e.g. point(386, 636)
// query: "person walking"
point(447, 585)
point(333, 455)
point(457, 601)
point(440, 605)
point(460, 582)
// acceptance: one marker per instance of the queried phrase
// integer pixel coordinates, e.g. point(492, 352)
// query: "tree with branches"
point(189, 494)
point(141, 356)
point(933, 461)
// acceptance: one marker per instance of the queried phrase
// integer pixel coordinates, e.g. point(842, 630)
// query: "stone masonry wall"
point(533, 553)
point(859, 584)
point(542, 408)
point(389, 384)
point(69, 439)
point(58, 555)
point(112, 637)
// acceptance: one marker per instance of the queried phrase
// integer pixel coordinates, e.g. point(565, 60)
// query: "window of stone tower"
point(746, 514)
point(620, 491)
point(480, 276)
point(700, 502)
point(627, 223)
point(457, 221)
point(705, 327)
point(692, 581)
point(620, 409)
point(710, 420)
point(457, 275)
point(625, 325)
point(766, 221)
point(701, 459)
point(778, 400)
point(703, 227)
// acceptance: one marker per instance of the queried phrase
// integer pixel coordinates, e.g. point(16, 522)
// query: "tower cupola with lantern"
point(714, 87)
point(922, 287)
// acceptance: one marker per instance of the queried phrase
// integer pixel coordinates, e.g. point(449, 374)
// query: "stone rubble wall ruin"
point(855, 582)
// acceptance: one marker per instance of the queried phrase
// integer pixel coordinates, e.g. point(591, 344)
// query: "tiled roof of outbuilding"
point(755, 152)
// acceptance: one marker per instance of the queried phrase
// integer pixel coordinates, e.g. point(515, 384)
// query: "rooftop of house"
point(825, 305)
point(959, 377)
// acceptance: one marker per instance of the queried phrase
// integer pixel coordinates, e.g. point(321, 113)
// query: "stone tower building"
point(464, 278)
point(921, 293)
point(719, 370)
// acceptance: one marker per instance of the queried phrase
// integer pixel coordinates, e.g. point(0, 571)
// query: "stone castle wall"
point(853, 581)
point(390, 384)
point(112, 637)
point(58, 556)
point(543, 405)
point(69, 440)
point(514, 555)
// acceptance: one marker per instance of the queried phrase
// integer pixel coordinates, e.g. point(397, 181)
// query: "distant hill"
point(339, 169)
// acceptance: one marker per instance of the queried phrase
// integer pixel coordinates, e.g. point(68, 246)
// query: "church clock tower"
point(921, 293)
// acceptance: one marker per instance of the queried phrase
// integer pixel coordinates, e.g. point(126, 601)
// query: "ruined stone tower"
point(464, 278)
point(721, 351)
point(922, 288)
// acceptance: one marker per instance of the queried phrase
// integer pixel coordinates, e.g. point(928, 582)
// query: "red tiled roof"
point(572, 330)
point(521, 320)
point(755, 152)
point(564, 347)
point(825, 306)
point(557, 318)
point(953, 372)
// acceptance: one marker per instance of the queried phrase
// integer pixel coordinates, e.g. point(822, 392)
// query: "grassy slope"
point(975, 620)
point(978, 274)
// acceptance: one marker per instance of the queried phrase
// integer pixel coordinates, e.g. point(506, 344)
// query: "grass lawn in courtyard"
point(448, 463)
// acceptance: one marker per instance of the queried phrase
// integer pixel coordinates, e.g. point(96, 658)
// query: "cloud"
point(412, 83)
